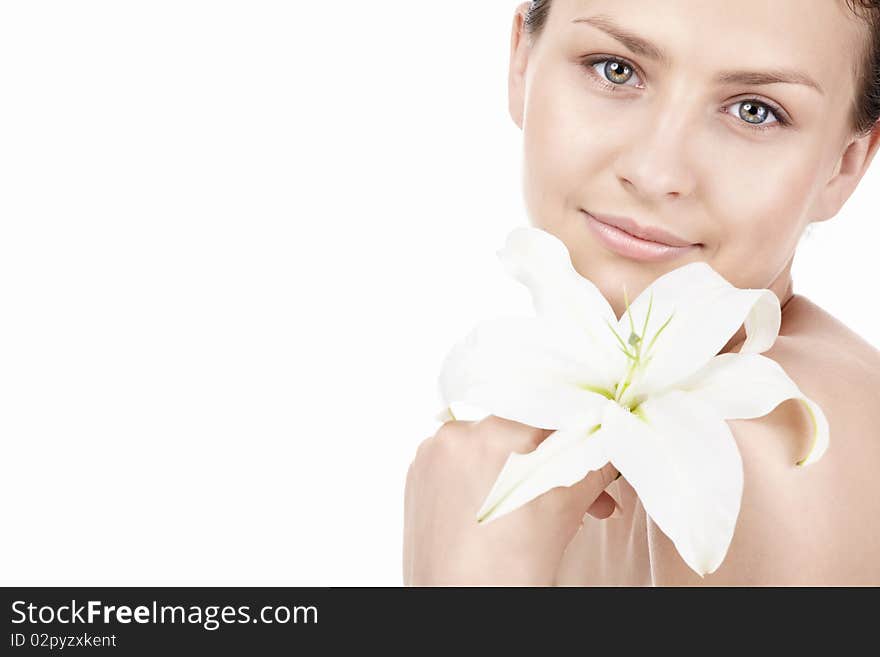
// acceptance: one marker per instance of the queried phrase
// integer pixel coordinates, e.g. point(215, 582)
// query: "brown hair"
point(866, 104)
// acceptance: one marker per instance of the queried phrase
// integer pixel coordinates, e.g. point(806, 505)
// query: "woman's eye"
point(615, 71)
point(755, 113)
point(612, 73)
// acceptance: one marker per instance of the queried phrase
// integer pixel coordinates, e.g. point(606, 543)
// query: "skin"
point(668, 148)
point(445, 486)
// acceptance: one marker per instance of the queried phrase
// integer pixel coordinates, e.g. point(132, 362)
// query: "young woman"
point(727, 128)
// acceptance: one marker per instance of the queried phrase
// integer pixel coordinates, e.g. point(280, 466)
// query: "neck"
point(783, 288)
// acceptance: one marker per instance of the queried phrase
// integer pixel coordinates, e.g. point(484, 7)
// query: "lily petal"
point(562, 459)
point(540, 261)
point(706, 311)
point(743, 386)
point(444, 415)
point(529, 369)
point(685, 466)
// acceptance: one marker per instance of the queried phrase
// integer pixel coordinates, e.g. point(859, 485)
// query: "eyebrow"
point(641, 46)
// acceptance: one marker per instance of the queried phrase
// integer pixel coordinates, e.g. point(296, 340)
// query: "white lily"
point(648, 392)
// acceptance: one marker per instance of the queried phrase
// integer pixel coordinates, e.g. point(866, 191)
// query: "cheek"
point(760, 212)
point(545, 151)
point(564, 144)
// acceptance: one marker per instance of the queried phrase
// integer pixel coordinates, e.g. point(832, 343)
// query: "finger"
point(606, 506)
point(603, 507)
point(589, 496)
point(579, 497)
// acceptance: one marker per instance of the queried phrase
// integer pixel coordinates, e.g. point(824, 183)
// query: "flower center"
point(635, 350)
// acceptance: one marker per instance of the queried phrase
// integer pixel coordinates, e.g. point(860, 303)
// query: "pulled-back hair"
point(866, 103)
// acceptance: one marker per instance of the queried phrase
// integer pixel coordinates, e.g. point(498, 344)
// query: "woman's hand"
point(447, 482)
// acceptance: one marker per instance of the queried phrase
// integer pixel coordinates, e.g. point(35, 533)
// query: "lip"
point(626, 238)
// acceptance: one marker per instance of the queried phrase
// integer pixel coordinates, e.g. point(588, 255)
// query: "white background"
point(236, 241)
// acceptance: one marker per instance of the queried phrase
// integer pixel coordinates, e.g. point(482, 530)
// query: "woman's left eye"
point(754, 112)
point(613, 73)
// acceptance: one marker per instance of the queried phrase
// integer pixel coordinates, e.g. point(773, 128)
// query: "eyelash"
point(778, 112)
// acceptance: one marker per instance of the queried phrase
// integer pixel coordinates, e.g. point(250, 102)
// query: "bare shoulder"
point(818, 524)
point(838, 369)
point(818, 344)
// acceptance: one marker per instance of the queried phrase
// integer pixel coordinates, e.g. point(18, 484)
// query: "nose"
point(654, 162)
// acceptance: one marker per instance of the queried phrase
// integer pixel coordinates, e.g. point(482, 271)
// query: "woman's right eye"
point(611, 72)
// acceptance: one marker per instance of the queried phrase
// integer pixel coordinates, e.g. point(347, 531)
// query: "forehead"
point(814, 36)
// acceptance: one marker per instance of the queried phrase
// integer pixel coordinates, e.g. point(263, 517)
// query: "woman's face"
point(669, 143)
